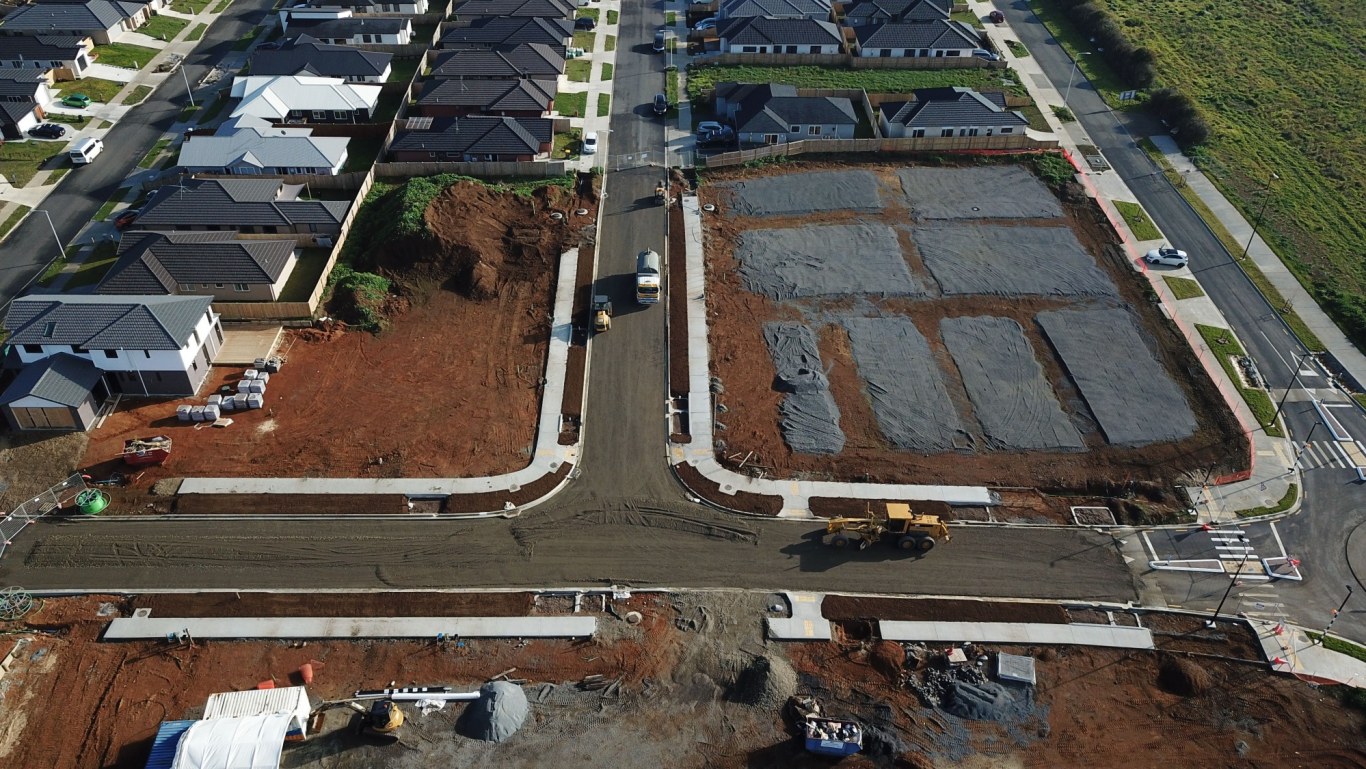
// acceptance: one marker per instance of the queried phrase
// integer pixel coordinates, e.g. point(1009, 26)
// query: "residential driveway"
point(108, 72)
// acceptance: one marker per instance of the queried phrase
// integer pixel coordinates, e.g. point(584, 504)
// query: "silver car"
point(1167, 257)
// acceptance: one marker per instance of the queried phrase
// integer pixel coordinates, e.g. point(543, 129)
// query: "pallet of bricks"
point(251, 394)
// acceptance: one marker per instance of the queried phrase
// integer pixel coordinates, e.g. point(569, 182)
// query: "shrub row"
point(1133, 64)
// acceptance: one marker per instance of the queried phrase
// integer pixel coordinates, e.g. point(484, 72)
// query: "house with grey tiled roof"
point(943, 112)
point(103, 21)
point(935, 39)
point(533, 60)
point(306, 55)
point(144, 345)
point(67, 56)
point(219, 264)
point(756, 34)
point(775, 9)
point(771, 114)
point(251, 146)
point(22, 94)
point(865, 12)
point(367, 7)
point(467, 10)
point(458, 97)
point(250, 207)
point(497, 32)
point(61, 392)
point(351, 30)
point(474, 139)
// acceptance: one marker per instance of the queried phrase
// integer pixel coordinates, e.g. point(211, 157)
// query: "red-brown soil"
point(451, 387)
point(741, 360)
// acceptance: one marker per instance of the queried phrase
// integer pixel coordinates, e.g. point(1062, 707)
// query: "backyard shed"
point(61, 392)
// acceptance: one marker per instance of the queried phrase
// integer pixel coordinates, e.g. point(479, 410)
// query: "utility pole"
point(1336, 613)
point(1242, 541)
point(1266, 187)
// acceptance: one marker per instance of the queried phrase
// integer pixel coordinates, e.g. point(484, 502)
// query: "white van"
point(85, 151)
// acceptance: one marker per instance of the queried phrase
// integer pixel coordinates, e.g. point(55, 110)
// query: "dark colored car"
point(125, 219)
point(997, 17)
point(47, 131)
point(661, 105)
point(585, 22)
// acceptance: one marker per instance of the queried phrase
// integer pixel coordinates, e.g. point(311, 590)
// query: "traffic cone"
point(306, 673)
point(1277, 661)
point(1206, 527)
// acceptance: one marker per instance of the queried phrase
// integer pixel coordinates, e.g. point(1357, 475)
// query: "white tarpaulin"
point(251, 742)
point(292, 700)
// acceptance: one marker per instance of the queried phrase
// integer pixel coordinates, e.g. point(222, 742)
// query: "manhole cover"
point(1097, 162)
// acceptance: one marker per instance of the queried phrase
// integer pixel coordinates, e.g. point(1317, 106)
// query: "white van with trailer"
point(85, 151)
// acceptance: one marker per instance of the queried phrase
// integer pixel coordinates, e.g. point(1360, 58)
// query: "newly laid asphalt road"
point(29, 249)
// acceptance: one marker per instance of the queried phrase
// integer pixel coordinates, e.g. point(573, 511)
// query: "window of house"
point(110, 353)
point(33, 349)
point(796, 129)
point(792, 49)
point(814, 130)
point(194, 365)
point(988, 132)
point(1007, 130)
point(917, 133)
point(319, 114)
point(196, 334)
point(240, 287)
point(55, 64)
point(815, 49)
point(218, 333)
point(924, 53)
point(972, 132)
point(946, 132)
point(339, 115)
point(748, 49)
point(157, 375)
point(770, 138)
point(952, 53)
point(885, 53)
point(147, 354)
point(49, 329)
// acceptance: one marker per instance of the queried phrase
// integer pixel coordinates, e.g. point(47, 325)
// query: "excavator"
point(910, 531)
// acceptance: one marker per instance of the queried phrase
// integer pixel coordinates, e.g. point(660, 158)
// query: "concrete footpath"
point(200, 628)
point(1290, 650)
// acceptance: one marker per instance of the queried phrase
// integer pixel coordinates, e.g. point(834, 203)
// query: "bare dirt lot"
point(691, 693)
point(450, 388)
point(969, 429)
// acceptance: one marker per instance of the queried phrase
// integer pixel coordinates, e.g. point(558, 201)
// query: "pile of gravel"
point(768, 682)
point(497, 714)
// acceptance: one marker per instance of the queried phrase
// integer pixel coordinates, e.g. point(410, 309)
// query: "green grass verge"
point(604, 104)
point(1281, 506)
point(1017, 48)
point(671, 87)
point(150, 158)
point(567, 143)
point(244, 42)
point(223, 6)
point(76, 120)
point(1226, 348)
point(1340, 646)
point(122, 55)
point(1360, 398)
point(1064, 114)
point(703, 78)
point(1183, 288)
point(1093, 67)
point(20, 161)
point(211, 111)
point(56, 176)
point(571, 104)
point(609, 43)
point(583, 39)
point(95, 266)
point(612, 17)
point(55, 268)
point(13, 221)
point(1254, 273)
point(967, 17)
point(578, 70)
point(1139, 224)
point(190, 113)
point(163, 27)
point(114, 200)
point(104, 124)
point(197, 32)
point(96, 88)
point(606, 72)
point(138, 95)
point(190, 7)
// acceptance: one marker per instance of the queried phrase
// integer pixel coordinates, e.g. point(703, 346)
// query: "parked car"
point(1167, 257)
point(705, 24)
point(722, 135)
point(590, 143)
point(47, 131)
point(661, 105)
point(997, 17)
point(700, 2)
point(983, 53)
point(585, 22)
point(126, 218)
point(78, 100)
point(707, 126)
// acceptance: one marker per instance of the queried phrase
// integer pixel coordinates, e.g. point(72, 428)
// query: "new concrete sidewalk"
point(1289, 649)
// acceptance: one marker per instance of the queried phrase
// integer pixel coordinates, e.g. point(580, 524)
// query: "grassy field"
point(94, 87)
point(138, 94)
point(163, 27)
point(1138, 221)
point(1183, 288)
point(1271, 80)
point(604, 104)
point(13, 221)
point(578, 70)
point(606, 72)
point(1226, 348)
point(124, 55)
point(361, 154)
point(571, 104)
point(197, 32)
point(873, 80)
point(307, 270)
point(19, 161)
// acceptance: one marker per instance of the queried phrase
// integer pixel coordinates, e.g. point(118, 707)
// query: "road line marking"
point(1279, 543)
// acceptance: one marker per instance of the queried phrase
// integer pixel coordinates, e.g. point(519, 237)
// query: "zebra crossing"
point(1261, 602)
point(1334, 454)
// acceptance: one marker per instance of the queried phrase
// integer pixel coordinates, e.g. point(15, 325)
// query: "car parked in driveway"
point(78, 100)
point(1167, 257)
point(126, 218)
point(47, 131)
point(585, 22)
point(590, 143)
point(705, 24)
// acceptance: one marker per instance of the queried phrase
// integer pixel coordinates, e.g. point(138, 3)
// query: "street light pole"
point(188, 90)
point(1242, 541)
point(1294, 380)
point(61, 250)
point(1336, 613)
point(1299, 454)
point(1265, 199)
point(1076, 64)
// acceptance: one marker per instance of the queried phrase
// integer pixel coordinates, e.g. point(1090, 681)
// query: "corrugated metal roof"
point(289, 700)
point(166, 742)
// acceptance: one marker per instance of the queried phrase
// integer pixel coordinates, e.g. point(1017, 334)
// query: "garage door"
point(44, 419)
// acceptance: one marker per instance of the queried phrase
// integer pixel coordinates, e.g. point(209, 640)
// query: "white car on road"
point(1167, 257)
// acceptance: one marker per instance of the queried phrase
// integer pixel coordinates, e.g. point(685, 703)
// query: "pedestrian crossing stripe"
point(1344, 454)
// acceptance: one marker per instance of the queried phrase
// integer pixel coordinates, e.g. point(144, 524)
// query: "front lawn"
point(1139, 224)
point(95, 266)
point(122, 55)
point(61, 117)
point(584, 39)
point(587, 13)
point(20, 161)
point(567, 143)
point(361, 154)
point(571, 104)
point(189, 7)
point(97, 89)
point(704, 78)
point(163, 27)
point(578, 70)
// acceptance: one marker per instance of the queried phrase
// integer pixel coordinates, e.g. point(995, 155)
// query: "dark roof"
point(106, 322)
point(62, 378)
point(938, 107)
point(896, 10)
point(44, 48)
point(307, 56)
point(488, 33)
point(155, 263)
point(336, 4)
point(492, 95)
point(480, 134)
point(11, 112)
point(23, 74)
point(772, 108)
point(15, 89)
point(513, 61)
point(550, 9)
point(91, 15)
point(235, 203)
point(776, 9)
point(335, 28)
point(935, 34)
point(757, 30)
